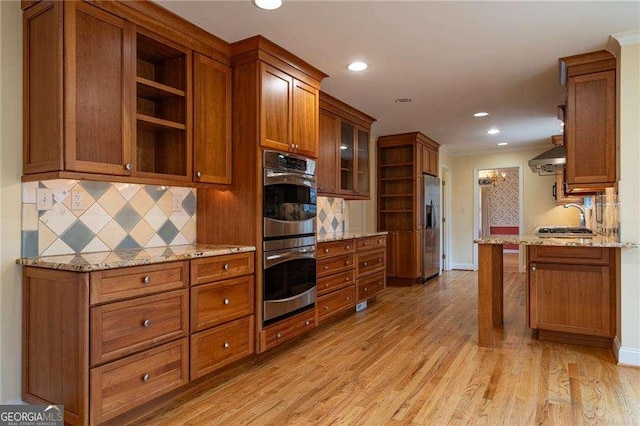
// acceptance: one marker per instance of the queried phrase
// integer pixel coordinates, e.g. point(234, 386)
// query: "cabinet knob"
point(348, 262)
point(533, 268)
point(326, 285)
point(366, 264)
point(128, 166)
point(379, 282)
point(146, 323)
point(347, 279)
point(348, 298)
point(379, 259)
point(226, 344)
point(366, 289)
point(379, 241)
point(279, 335)
point(226, 301)
point(326, 308)
point(364, 243)
point(325, 268)
point(326, 250)
point(146, 378)
point(226, 267)
point(199, 174)
point(307, 322)
point(146, 279)
point(348, 247)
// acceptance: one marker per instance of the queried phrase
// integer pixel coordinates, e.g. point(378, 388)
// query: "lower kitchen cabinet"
point(285, 330)
point(571, 294)
point(336, 302)
point(105, 342)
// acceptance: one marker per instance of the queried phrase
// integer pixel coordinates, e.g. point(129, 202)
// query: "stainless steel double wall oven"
point(289, 241)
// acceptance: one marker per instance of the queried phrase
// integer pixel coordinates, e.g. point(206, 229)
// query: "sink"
point(563, 232)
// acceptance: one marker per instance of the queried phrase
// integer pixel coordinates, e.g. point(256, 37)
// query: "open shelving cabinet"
point(396, 188)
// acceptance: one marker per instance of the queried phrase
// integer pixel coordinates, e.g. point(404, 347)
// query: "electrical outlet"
point(177, 202)
point(77, 200)
point(44, 199)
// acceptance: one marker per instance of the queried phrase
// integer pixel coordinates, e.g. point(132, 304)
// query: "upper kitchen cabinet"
point(289, 113)
point(343, 162)
point(590, 121)
point(78, 90)
point(212, 121)
point(108, 98)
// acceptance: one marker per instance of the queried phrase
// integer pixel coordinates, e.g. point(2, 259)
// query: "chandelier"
point(491, 177)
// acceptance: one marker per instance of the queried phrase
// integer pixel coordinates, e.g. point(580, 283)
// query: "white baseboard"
point(626, 356)
point(462, 266)
point(13, 402)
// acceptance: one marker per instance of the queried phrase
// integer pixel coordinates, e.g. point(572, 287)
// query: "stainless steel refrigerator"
point(431, 233)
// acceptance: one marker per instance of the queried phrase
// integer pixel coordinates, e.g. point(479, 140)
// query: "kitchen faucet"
point(583, 223)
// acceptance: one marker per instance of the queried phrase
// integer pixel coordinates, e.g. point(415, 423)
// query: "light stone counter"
point(88, 262)
point(532, 240)
point(337, 236)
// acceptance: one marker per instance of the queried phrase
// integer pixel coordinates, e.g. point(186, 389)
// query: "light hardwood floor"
point(412, 358)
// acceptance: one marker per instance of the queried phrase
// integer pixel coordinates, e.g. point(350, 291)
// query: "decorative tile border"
point(113, 216)
point(333, 215)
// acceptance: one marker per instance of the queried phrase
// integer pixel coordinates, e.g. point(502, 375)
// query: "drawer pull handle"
point(226, 344)
point(279, 335)
point(128, 166)
point(146, 323)
point(326, 308)
point(326, 267)
point(366, 289)
point(146, 378)
point(226, 267)
point(326, 285)
point(146, 279)
point(348, 247)
point(379, 241)
point(366, 264)
point(326, 250)
point(379, 259)
point(379, 282)
point(347, 279)
point(348, 262)
point(348, 298)
point(307, 323)
point(199, 174)
point(226, 301)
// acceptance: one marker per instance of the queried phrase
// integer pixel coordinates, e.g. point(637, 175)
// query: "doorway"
point(445, 172)
point(498, 207)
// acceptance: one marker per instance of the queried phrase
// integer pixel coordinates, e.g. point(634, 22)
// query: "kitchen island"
point(490, 273)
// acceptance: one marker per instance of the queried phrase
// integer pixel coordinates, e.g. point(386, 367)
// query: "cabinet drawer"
point(334, 282)
point(125, 384)
point(122, 328)
point(217, 268)
point(285, 330)
point(369, 262)
point(335, 264)
point(222, 345)
point(370, 286)
point(216, 303)
point(369, 243)
point(124, 283)
point(570, 255)
point(333, 248)
point(336, 302)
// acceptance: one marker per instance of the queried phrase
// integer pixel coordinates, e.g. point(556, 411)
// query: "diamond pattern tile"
point(142, 202)
point(168, 232)
point(142, 233)
point(77, 236)
point(322, 216)
point(46, 237)
point(165, 203)
point(127, 190)
point(95, 218)
point(179, 219)
point(127, 217)
point(155, 217)
point(112, 234)
point(155, 192)
point(335, 224)
point(128, 243)
point(112, 201)
point(58, 219)
point(189, 204)
point(58, 247)
point(95, 189)
point(95, 245)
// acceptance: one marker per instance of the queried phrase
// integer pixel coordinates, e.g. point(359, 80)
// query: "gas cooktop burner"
point(563, 231)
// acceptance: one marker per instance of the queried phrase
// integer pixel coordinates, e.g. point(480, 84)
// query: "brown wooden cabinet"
point(402, 161)
point(343, 161)
point(130, 335)
point(571, 294)
point(288, 112)
point(336, 279)
point(590, 125)
point(371, 263)
point(109, 96)
point(212, 121)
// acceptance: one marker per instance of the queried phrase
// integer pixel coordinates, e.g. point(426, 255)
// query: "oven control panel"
point(289, 162)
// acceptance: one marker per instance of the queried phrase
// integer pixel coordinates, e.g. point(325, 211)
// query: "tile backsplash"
point(88, 216)
point(333, 215)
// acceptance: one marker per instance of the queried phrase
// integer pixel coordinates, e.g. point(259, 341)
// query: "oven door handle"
point(278, 258)
point(275, 178)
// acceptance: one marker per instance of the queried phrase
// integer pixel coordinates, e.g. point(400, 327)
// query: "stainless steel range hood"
point(549, 161)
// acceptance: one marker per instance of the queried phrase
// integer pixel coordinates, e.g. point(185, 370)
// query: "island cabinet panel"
point(571, 294)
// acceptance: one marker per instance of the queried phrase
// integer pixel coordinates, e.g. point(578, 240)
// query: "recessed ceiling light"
point(357, 66)
point(267, 4)
point(403, 100)
point(481, 114)
point(503, 143)
point(493, 131)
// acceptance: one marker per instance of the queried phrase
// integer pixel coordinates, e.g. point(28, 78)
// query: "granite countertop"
point(532, 240)
point(88, 262)
point(337, 236)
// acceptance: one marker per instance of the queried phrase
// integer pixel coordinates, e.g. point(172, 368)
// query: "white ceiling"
point(451, 58)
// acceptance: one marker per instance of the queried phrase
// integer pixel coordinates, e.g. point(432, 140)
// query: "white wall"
point(539, 206)
point(629, 195)
point(10, 172)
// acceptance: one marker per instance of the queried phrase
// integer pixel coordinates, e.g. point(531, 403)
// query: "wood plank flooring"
point(412, 358)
